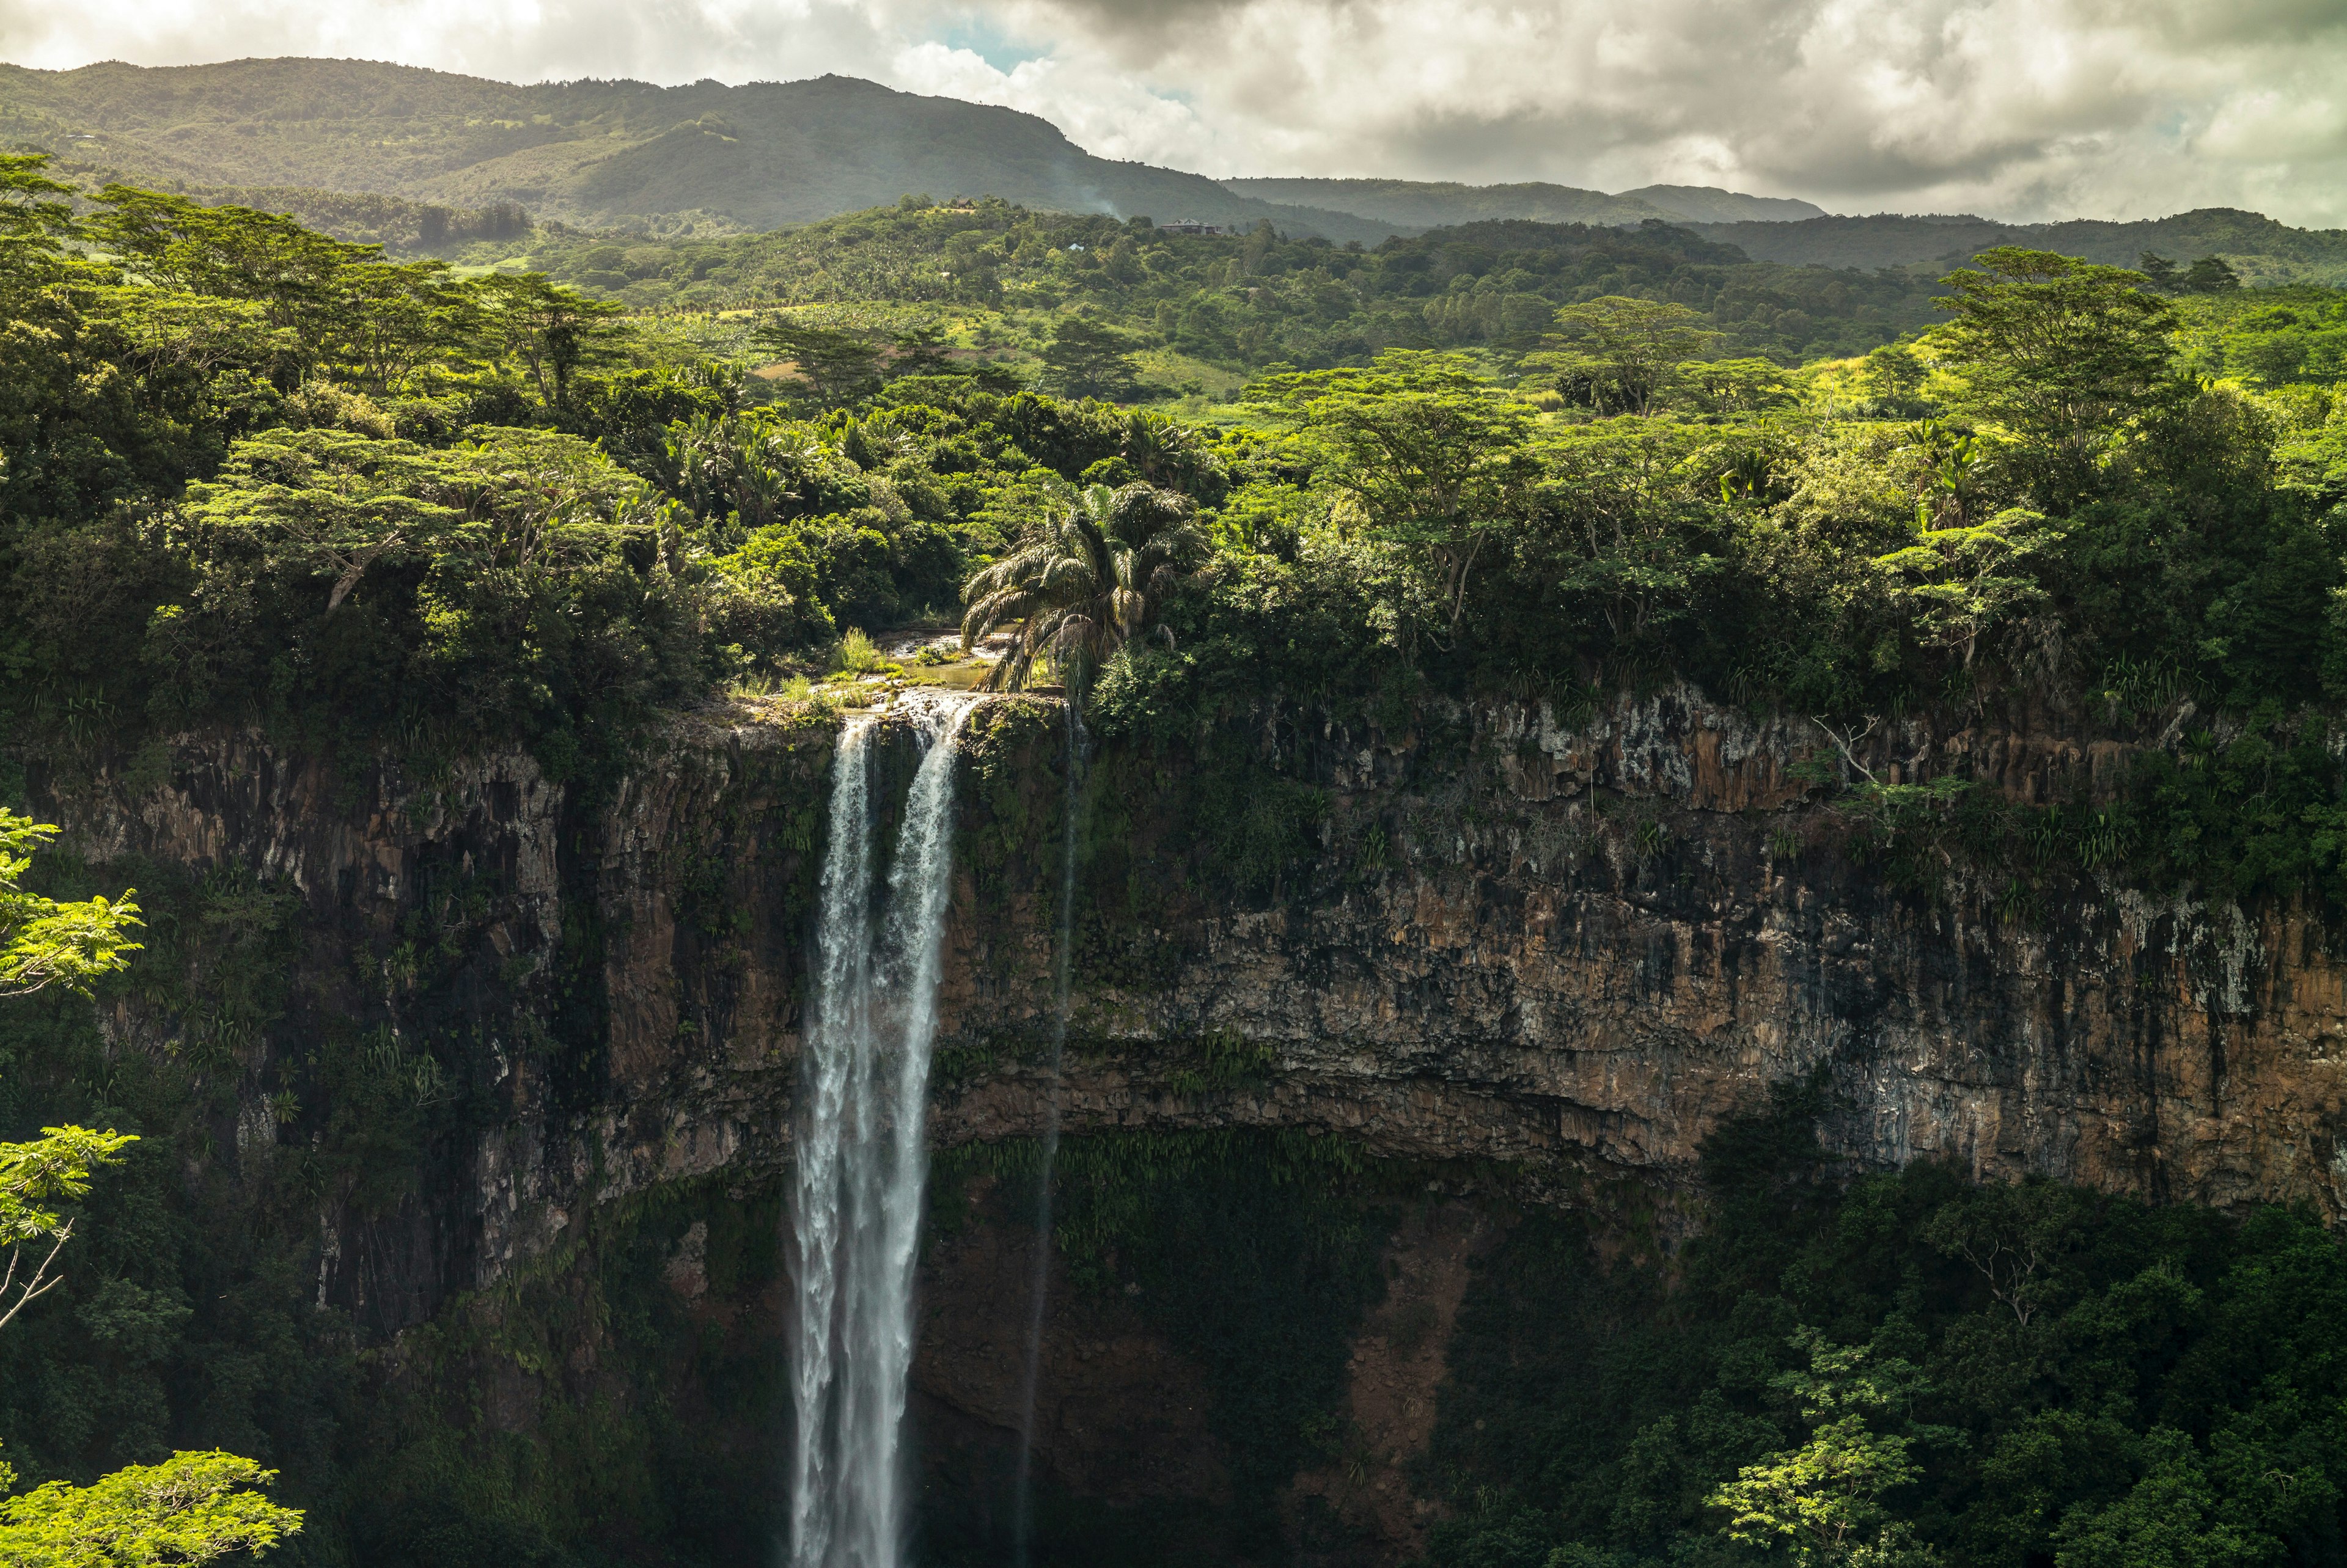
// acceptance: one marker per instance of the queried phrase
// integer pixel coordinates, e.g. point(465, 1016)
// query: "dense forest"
point(1228, 304)
point(256, 477)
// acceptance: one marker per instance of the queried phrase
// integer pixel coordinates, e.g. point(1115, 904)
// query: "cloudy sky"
point(2015, 108)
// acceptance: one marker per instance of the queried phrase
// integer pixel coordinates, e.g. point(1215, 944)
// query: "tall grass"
point(856, 654)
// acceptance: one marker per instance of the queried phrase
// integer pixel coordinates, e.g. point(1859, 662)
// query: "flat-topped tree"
point(1428, 452)
point(1625, 352)
point(2065, 355)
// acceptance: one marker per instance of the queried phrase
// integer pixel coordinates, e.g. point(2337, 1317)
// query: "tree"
point(31, 1175)
point(1626, 351)
point(34, 209)
point(1430, 453)
point(1613, 516)
point(919, 351)
point(2160, 272)
point(389, 318)
point(2173, 1517)
point(1822, 1501)
point(552, 330)
point(728, 465)
point(1092, 577)
point(838, 368)
point(1735, 386)
point(2211, 275)
point(187, 1509)
point(1961, 581)
point(2015, 1233)
point(190, 1509)
point(44, 941)
point(229, 252)
point(2065, 354)
point(1954, 467)
point(1893, 380)
point(1086, 359)
point(1171, 454)
point(324, 501)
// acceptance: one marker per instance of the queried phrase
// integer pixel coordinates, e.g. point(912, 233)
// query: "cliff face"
point(1569, 948)
point(1492, 937)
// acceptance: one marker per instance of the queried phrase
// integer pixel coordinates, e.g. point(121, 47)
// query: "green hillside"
point(2259, 248)
point(1202, 308)
point(1430, 204)
point(1201, 311)
point(601, 153)
point(1709, 204)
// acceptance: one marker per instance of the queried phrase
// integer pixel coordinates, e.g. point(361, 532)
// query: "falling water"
point(861, 1158)
point(1023, 1518)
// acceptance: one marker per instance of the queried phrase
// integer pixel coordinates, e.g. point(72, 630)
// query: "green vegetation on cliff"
point(256, 474)
point(1898, 1369)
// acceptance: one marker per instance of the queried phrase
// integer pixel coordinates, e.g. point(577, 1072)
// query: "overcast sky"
point(2014, 108)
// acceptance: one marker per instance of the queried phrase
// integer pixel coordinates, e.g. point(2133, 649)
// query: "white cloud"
point(2015, 108)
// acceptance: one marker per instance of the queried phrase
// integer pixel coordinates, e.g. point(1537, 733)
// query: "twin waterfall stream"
point(861, 1160)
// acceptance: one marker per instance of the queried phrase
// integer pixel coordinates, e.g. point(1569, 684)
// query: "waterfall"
point(862, 1159)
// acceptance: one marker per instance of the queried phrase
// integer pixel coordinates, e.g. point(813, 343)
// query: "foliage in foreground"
point(192, 1509)
point(1901, 1369)
point(48, 941)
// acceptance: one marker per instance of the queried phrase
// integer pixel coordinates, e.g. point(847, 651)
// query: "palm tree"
point(1085, 583)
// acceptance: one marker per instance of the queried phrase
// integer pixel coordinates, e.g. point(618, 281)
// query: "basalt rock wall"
point(1491, 934)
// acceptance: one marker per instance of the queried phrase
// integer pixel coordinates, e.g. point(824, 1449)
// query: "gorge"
point(1523, 958)
point(1682, 916)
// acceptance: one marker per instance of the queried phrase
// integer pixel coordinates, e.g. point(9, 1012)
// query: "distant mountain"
point(1709, 204)
point(2262, 250)
point(594, 153)
point(1433, 204)
point(427, 160)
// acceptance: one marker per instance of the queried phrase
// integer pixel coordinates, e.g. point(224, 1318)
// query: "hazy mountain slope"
point(596, 152)
point(1429, 204)
point(347, 124)
point(706, 157)
point(1709, 204)
point(2263, 250)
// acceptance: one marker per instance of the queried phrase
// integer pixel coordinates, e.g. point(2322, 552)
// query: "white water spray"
point(862, 1159)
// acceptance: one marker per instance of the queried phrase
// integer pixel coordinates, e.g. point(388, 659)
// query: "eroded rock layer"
point(1568, 948)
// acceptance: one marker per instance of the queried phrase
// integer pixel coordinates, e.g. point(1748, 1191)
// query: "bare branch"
point(37, 1285)
point(1847, 745)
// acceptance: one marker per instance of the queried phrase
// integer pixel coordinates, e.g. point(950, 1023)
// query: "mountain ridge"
point(602, 154)
point(760, 155)
point(402, 154)
point(1431, 203)
point(2263, 250)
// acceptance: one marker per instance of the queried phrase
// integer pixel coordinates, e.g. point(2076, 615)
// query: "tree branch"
point(1847, 745)
point(36, 1286)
